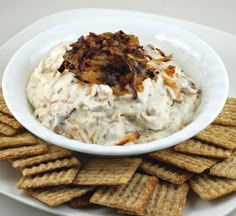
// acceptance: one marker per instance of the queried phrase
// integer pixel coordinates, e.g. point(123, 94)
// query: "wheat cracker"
point(23, 151)
point(7, 130)
point(228, 114)
point(165, 171)
point(212, 187)
point(22, 139)
point(107, 171)
point(190, 163)
point(219, 135)
point(201, 148)
point(54, 196)
point(61, 177)
point(50, 166)
point(10, 121)
point(167, 200)
point(226, 168)
point(50, 156)
point(131, 197)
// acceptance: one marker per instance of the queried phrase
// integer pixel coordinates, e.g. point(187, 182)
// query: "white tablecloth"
point(15, 15)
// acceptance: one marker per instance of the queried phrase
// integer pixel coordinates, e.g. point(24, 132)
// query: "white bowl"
point(197, 59)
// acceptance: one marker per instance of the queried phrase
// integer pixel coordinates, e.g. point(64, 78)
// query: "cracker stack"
point(8, 124)
point(20, 145)
point(154, 184)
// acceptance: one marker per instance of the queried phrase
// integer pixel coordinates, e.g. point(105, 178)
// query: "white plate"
point(195, 206)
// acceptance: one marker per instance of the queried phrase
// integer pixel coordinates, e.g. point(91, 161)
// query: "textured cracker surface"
point(21, 139)
point(219, 135)
point(62, 177)
point(167, 200)
point(60, 194)
point(3, 106)
point(228, 114)
point(132, 197)
point(10, 121)
point(226, 168)
point(211, 187)
point(23, 151)
point(201, 148)
point(190, 163)
point(7, 130)
point(165, 171)
point(53, 154)
point(107, 171)
point(50, 166)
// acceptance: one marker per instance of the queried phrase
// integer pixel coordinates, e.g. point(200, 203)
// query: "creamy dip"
point(93, 114)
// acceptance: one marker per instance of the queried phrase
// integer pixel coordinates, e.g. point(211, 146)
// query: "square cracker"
point(10, 121)
point(132, 197)
point(61, 177)
point(226, 168)
point(22, 139)
point(201, 148)
point(211, 187)
point(23, 151)
point(219, 135)
point(165, 171)
point(54, 153)
point(228, 114)
point(54, 196)
point(7, 130)
point(51, 165)
point(190, 163)
point(107, 171)
point(167, 200)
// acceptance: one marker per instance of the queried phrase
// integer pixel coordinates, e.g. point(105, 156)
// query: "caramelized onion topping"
point(113, 59)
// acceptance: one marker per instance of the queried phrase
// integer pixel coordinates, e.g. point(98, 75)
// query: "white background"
point(17, 14)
